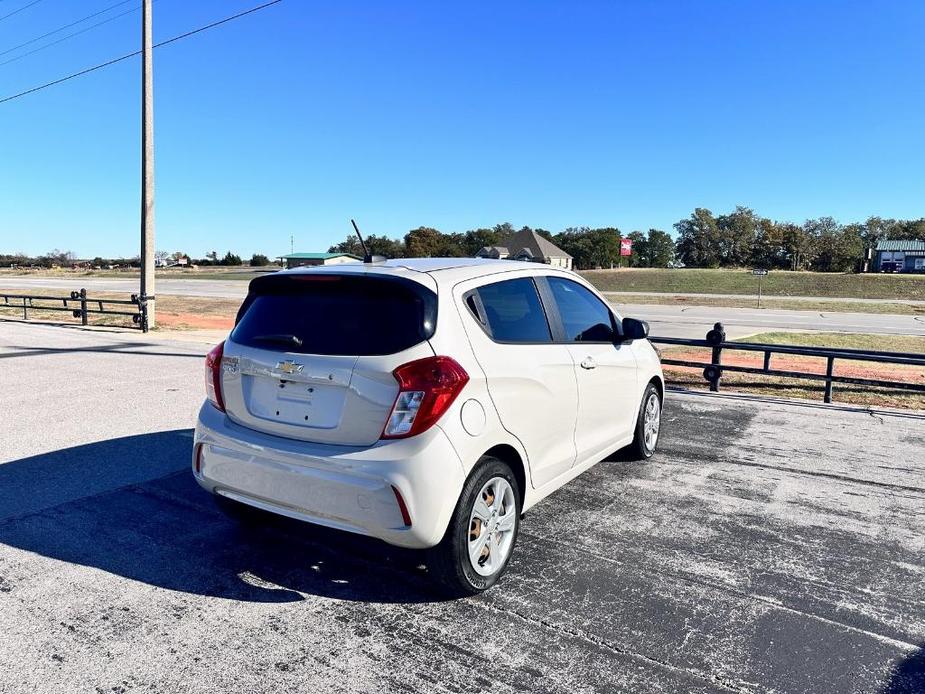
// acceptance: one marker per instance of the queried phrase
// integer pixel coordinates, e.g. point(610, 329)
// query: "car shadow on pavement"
point(909, 675)
point(131, 507)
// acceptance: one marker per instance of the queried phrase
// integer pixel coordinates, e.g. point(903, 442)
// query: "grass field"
point(777, 283)
point(812, 390)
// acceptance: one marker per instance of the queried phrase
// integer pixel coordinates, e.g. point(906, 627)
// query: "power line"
point(133, 54)
point(68, 36)
point(62, 28)
point(24, 7)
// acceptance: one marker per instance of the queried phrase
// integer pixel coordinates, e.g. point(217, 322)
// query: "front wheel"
point(482, 532)
point(648, 424)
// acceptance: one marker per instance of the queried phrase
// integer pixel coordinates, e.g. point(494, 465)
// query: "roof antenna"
point(367, 258)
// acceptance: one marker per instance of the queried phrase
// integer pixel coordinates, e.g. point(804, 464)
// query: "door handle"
point(588, 363)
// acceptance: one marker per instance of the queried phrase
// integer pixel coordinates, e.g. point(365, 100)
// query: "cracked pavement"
point(768, 547)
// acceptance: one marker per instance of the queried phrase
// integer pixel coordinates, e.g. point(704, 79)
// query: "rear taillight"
point(426, 389)
point(214, 376)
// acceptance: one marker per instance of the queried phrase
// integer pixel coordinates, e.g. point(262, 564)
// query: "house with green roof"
point(899, 256)
point(311, 259)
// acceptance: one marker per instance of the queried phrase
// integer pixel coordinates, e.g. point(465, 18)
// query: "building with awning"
point(311, 259)
point(899, 256)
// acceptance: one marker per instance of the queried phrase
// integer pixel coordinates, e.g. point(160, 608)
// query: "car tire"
point(645, 440)
point(491, 526)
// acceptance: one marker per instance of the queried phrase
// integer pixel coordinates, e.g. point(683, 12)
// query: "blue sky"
point(459, 115)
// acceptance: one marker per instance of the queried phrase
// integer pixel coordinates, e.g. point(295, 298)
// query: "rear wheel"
point(482, 532)
point(648, 424)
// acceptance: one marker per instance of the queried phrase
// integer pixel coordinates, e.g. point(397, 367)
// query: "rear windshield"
point(335, 314)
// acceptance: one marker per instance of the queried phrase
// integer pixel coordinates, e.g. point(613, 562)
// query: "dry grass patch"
point(173, 312)
point(779, 283)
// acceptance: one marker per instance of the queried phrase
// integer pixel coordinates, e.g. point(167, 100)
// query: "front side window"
point(585, 318)
point(513, 312)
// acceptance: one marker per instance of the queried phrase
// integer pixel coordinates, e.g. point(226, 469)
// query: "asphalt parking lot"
point(769, 547)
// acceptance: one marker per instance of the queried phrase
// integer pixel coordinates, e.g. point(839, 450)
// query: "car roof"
point(440, 270)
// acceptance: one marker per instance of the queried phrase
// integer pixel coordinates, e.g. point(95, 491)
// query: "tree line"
point(589, 248)
point(741, 238)
point(59, 258)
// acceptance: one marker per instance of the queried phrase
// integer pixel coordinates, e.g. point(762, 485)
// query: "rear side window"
point(585, 318)
point(335, 314)
point(513, 311)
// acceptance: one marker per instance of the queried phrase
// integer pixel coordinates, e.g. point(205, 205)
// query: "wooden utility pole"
point(147, 163)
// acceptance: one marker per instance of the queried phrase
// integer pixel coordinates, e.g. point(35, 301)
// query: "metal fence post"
point(83, 306)
point(25, 311)
point(714, 372)
point(829, 368)
point(143, 306)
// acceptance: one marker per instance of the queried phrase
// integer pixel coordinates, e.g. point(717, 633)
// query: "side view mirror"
point(635, 329)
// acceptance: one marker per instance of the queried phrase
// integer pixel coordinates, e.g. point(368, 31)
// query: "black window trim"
point(562, 338)
point(486, 327)
point(550, 310)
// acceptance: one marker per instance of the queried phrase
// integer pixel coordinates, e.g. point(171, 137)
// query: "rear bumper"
point(344, 487)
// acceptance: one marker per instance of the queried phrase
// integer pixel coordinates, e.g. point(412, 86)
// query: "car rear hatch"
point(312, 353)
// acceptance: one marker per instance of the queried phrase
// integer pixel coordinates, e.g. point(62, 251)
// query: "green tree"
point(423, 242)
point(797, 244)
point(590, 248)
point(698, 239)
point(231, 259)
point(476, 239)
point(349, 245)
point(736, 236)
point(451, 246)
point(577, 243)
point(657, 249)
point(639, 254)
point(259, 260)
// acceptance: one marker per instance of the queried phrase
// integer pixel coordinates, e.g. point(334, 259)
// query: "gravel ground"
point(769, 547)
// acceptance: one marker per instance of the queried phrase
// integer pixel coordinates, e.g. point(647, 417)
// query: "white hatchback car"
point(425, 402)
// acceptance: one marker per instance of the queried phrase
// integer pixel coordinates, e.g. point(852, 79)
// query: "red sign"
point(626, 246)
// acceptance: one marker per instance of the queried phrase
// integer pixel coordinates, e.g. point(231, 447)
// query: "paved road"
point(768, 547)
point(694, 321)
point(754, 297)
point(666, 321)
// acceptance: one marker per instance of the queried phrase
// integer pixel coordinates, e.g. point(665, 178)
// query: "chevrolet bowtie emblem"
point(290, 367)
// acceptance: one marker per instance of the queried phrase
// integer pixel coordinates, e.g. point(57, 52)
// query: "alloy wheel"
point(492, 522)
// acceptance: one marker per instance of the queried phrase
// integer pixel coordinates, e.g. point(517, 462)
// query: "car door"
point(531, 379)
point(604, 367)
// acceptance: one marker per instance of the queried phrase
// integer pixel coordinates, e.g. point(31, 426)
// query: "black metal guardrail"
point(716, 341)
point(79, 305)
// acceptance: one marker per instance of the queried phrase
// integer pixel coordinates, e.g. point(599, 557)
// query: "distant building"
point(310, 259)
point(899, 256)
point(527, 245)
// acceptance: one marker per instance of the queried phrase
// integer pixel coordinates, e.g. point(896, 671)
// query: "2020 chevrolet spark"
point(425, 402)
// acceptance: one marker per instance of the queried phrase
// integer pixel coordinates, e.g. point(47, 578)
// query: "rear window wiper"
point(279, 338)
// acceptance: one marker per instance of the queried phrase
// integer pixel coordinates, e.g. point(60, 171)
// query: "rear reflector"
point(213, 376)
point(197, 459)
point(405, 516)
